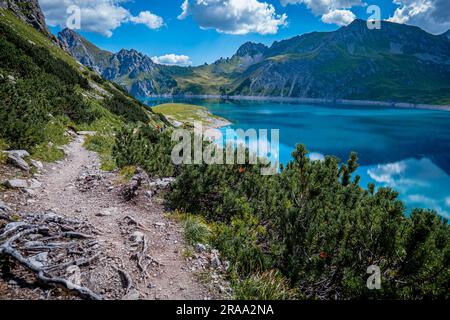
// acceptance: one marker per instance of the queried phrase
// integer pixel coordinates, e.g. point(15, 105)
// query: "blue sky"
point(205, 34)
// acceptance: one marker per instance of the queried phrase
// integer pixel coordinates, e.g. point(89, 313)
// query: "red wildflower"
point(323, 255)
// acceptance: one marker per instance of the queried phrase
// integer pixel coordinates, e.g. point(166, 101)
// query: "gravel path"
point(77, 188)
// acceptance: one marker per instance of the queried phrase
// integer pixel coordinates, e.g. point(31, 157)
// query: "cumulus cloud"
point(99, 16)
point(331, 11)
point(149, 19)
point(431, 15)
point(173, 60)
point(234, 16)
point(339, 17)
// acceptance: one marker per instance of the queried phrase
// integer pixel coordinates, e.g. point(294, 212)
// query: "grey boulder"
point(19, 162)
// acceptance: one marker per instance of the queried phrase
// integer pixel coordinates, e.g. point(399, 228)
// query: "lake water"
point(407, 149)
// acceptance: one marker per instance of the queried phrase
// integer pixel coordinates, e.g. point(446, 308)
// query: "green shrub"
point(240, 243)
point(321, 229)
point(98, 79)
point(145, 147)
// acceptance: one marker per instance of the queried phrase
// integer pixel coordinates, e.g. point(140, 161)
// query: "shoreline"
point(202, 114)
point(319, 101)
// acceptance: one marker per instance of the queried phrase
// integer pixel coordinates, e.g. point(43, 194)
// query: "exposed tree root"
point(37, 233)
point(127, 282)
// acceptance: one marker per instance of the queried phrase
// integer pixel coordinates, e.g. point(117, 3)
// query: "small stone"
point(200, 247)
point(137, 237)
point(160, 224)
point(12, 283)
point(16, 184)
point(34, 184)
point(29, 192)
point(39, 260)
point(104, 213)
point(37, 164)
point(19, 153)
point(132, 296)
point(215, 262)
point(3, 206)
point(18, 161)
point(148, 194)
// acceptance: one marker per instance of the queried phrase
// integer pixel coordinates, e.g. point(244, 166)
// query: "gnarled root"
point(53, 249)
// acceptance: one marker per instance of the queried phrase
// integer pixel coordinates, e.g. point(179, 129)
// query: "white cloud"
point(339, 17)
point(331, 11)
point(431, 15)
point(173, 60)
point(234, 16)
point(387, 173)
point(149, 19)
point(99, 16)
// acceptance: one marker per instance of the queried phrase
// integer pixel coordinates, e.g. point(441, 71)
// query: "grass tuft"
point(265, 286)
point(196, 230)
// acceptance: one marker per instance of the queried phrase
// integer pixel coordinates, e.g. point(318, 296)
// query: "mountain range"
point(395, 63)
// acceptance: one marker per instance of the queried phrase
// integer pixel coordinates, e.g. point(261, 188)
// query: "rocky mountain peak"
point(133, 59)
point(69, 37)
point(251, 49)
point(29, 11)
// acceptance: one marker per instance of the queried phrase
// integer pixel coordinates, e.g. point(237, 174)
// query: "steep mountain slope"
point(84, 51)
point(29, 11)
point(44, 90)
point(396, 63)
point(129, 68)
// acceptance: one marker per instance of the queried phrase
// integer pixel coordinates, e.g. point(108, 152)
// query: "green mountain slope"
point(44, 91)
point(396, 63)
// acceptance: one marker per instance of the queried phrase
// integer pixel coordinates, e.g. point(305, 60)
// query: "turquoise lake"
point(406, 149)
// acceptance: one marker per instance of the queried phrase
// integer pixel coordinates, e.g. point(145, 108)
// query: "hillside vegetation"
point(44, 91)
